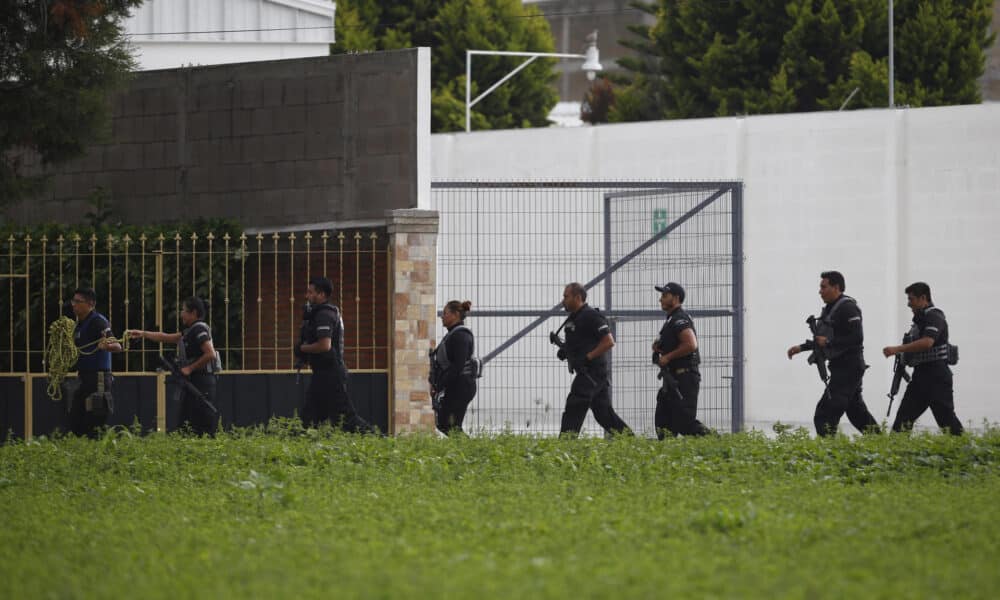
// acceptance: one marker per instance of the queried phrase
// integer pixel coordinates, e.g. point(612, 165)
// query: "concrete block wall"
point(272, 144)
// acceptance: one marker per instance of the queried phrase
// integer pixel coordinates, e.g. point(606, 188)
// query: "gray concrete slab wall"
point(272, 144)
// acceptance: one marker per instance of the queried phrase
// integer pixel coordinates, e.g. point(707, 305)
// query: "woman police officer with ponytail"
point(199, 362)
point(454, 369)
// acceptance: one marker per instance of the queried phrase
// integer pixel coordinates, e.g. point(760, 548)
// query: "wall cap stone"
point(412, 220)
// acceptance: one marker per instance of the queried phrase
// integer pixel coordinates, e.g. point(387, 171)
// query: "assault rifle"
point(898, 375)
point(433, 378)
point(817, 357)
point(670, 383)
point(174, 369)
point(436, 396)
point(301, 359)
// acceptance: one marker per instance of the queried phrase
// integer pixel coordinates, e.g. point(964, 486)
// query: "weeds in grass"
point(282, 511)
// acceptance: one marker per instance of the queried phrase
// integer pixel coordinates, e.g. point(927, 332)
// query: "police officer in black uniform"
point(588, 339)
point(198, 361)
point(89, 408)
point(676, 353)
point(322, 346)
point(453, 369)
point(841, 340)
point(926, 348)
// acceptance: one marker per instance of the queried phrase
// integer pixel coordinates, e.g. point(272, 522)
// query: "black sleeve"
point(459, 347)
point(933, 325)
point(202, 334)
point(597, 323)
point(680, 324)
point(849, 331)
point(97, 328)
point(327, 324)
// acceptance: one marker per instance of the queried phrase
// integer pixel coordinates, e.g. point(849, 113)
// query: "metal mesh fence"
point(510, 248)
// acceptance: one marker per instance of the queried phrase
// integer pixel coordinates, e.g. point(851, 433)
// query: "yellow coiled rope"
point(62, 353)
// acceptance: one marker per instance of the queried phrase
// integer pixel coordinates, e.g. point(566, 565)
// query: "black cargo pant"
point(81, 422)
point(327, 400)
point(677, 407)
point(589, 391)
point(930, 387)
point(843, 395)
point(195, 414)
point(454, 404)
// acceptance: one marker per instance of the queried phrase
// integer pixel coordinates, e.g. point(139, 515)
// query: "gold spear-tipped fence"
point(255, 291)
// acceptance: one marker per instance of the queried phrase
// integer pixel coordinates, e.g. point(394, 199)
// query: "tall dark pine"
point(59, 62)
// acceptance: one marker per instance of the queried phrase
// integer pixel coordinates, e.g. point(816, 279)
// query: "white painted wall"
point(888, 197)
point(167, 34)
point(423, 100)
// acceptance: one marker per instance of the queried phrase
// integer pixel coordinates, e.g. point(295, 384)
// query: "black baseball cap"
point(674, 288)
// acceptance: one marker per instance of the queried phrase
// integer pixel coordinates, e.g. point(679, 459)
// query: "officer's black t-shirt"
point(325, 322)
point(584, 330)
point(670, 338)
point(86, 335)
point(192, 339)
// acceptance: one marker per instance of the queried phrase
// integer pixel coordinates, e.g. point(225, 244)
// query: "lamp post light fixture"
point(591, 65)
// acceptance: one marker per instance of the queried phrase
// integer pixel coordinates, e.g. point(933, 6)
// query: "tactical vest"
point(938, 352)
point(184, 357)
point(690, 361)
point(334, 357)
point(440, 362)
point(825, 326)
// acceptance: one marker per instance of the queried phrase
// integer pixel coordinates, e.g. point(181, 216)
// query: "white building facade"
point(168, 34)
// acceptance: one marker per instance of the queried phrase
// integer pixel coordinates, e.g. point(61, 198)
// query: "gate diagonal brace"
point(556, 310)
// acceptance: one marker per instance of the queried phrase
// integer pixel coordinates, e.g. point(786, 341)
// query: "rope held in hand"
point(62, 352)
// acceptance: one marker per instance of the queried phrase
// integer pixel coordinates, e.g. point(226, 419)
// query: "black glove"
point(561, 355)
point(554, 339)
point(656, 358)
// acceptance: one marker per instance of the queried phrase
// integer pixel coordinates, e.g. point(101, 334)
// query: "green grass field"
point(318, 514)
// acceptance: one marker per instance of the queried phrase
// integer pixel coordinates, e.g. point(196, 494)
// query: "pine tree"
point(59, 62)
point(708, 58)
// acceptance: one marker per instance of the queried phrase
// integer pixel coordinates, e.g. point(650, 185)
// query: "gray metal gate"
point(510, 248)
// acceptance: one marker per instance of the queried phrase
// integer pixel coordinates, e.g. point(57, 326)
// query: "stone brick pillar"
point(413, 240)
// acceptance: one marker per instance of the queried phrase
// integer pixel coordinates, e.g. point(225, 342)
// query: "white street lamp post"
point(892, 66)
point(591, 65)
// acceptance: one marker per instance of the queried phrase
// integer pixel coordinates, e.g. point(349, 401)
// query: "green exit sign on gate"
point(659, 220)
